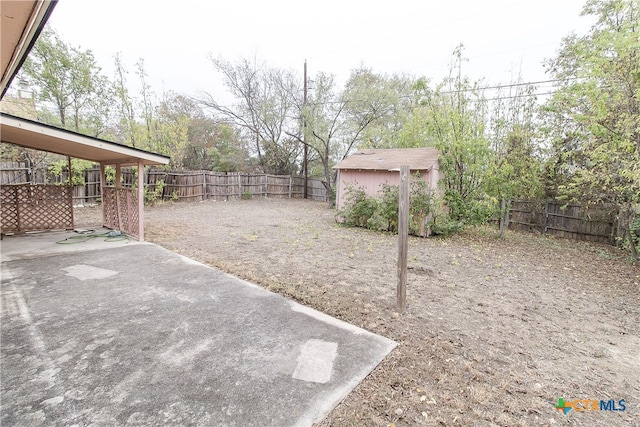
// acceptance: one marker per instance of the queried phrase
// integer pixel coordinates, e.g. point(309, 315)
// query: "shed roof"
point(386, 159)
point(27, 133)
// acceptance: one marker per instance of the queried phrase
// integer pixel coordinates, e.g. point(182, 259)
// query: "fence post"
point(619, 230)
point(85, 176)
point(204, 186)
point(290, 184)
point(545, 221)
point(165, 189)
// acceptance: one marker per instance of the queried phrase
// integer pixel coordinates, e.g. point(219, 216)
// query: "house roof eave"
point(22, 23)
point(39, 136)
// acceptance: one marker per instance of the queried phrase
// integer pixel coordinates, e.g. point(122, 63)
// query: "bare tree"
point(337, 121)
point(265, 110)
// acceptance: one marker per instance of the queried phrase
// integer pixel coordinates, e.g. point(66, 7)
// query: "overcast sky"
point(502, 38)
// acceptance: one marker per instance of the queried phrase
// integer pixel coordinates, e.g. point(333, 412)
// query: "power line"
point(501, 86)
point(499, 98)
point(524, 95)
point(510, 85)
point(476, 89)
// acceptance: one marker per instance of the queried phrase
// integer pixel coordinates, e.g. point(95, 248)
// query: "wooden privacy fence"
point(573, 221)
point(20, 173)
point(201, 185)
point(184, 186)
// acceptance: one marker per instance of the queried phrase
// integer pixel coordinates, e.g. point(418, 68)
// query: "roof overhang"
point(22, 21)
point(30, 134)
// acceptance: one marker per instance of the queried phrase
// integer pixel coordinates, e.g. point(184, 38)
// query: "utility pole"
point(304, 129)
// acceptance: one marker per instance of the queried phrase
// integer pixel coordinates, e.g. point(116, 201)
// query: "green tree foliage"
point(130, 130)
point(515, 173)
point(416, 129)
point(594, 118)
point(60, 168)
point(170, 127)
point(515, 169)
point(69, 83)
point(455, 117)
point(215, 146)
point(376, 105)
point(181, 129)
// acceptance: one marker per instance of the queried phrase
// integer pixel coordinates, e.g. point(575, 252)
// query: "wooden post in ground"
point(266, 186)
point(204, 186)
point(73, 222)
point(545, 217)
point(103, 183)
point(403, 237)
point(140, 201)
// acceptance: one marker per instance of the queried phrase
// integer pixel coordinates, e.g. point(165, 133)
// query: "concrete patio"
point(128, 333)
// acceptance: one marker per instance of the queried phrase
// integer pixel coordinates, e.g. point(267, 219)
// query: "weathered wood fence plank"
point(573, 221)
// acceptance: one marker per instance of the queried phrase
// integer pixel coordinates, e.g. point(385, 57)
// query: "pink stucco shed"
point(370, 168)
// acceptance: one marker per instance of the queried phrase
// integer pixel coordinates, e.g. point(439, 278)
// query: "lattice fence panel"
point(36, 207)
point(109, 208)
point(8, 208)
point(131, 226)
point(121, 209)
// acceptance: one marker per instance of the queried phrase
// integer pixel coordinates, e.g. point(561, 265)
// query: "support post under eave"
point(73, 220)
point(140, 201)
point(103, 182)
point(118, 187)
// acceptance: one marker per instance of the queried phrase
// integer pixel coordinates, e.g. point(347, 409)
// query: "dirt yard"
point(494, 333)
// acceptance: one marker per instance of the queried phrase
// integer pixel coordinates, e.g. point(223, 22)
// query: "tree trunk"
point(329, 181)
point(30, 167)
point(626, 219)
point(423, 220)
point(331, 198)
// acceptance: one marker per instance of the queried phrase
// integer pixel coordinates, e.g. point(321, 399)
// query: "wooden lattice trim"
point(121, 209)
point(27, 207)
point(8, 209)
